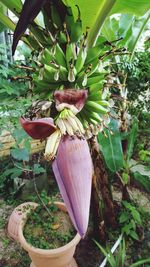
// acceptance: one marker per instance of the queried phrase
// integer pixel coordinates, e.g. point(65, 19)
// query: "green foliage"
point(128, 28)
point(9, 89)
point(129, 219)
point(111, 147)
point(143, 180)
point(45, 229)
point(138, 81)
point(116, 260)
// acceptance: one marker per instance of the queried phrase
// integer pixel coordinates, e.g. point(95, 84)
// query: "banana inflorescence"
point(52, 145)
point(68, 123)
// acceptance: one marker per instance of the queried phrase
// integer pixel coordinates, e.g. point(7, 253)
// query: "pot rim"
point(48, 252)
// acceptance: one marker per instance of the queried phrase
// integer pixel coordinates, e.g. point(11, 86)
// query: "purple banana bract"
point(73, 171)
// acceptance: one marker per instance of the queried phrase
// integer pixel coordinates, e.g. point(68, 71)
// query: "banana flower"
point(71, 161)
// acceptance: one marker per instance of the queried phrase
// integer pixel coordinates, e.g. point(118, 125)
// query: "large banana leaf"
point(95, 12)
point(136, 7)
point(13, 5)
point(129, 27)
point(111, 147)
point(137, 29)
point(7, 21)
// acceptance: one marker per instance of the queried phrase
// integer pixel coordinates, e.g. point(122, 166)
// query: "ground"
point(87, 254)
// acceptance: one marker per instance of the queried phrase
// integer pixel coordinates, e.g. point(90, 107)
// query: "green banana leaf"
point(111, 147)
point(137, 29)
point(95, 12)
point(129, 27)
point(131, 140)
point(136, 7)
point(13, 5)
point(7, 22)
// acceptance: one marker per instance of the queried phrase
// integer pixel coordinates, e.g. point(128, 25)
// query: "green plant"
point(118, 259)
point(129, 220)
point(67, 59)
point(48, 229)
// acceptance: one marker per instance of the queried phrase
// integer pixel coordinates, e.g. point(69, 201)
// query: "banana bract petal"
point(39, 128)
point(71, 97)
point(29, 11)
point(73, 171)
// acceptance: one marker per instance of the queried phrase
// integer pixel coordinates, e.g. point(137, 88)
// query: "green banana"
point(47, 20)
point(33, 42)
point(62, 38)
point(93, 106)
point(81, 59)
point(70, 54)
point(60, 56)
point(103, 103)
point(83, 121)
point(94, 67)
point(41, 35)
point(46, 57)
point(92, 54)
point(69, 19)
point(41, 86)
point(91, 115)
point(49, 73)
point(55, 17)
point(76, 29)
point(93, 80)
point(96, 87)
point(94, 97)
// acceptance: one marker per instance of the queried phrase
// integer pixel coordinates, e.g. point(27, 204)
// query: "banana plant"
point(71, 68)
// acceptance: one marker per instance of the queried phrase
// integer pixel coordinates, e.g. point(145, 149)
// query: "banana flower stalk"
point(71, 159)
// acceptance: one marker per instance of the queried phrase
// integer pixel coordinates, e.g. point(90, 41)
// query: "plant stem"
point(38, 195)
point(102, 186)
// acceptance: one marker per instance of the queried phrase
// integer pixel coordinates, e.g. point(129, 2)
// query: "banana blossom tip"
point(73, 171)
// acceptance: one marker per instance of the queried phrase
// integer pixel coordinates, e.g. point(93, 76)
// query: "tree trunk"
point(97, 213)
point(101, 195)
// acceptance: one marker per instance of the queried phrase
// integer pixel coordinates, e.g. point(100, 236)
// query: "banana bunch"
point(69, 124)
point(52, 145)
point(67, 62)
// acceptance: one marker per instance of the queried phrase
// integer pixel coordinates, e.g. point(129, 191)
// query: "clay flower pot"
point(15, 218)
point(59, 257)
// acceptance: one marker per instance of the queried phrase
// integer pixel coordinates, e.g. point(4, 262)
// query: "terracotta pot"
point(15, 218)
point(59, 257)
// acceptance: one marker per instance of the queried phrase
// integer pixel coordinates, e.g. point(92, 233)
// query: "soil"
point(87, 254)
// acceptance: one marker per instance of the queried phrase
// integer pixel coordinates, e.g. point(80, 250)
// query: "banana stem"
point(104, 10)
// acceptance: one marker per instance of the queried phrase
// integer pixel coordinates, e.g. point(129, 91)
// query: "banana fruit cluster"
point(66, 62)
